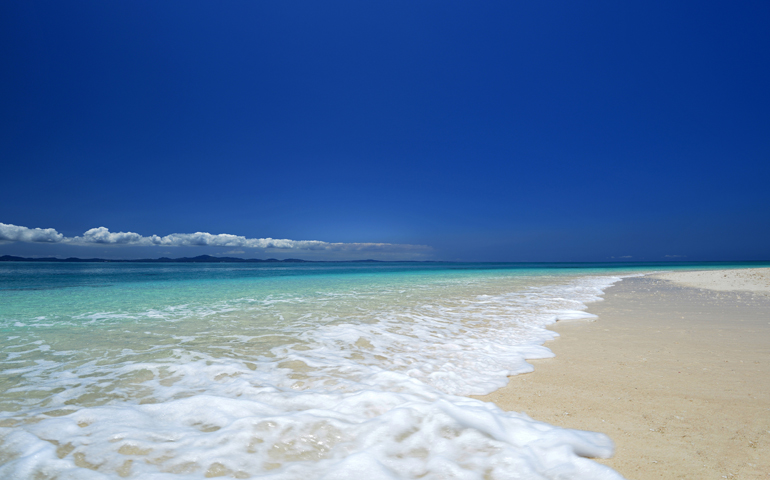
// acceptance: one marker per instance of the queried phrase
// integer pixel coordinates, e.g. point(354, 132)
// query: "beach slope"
point(676, 370)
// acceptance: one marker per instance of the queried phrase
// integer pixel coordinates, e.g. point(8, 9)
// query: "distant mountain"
point(198, 259)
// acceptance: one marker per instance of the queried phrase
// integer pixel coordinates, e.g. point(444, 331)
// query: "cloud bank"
point(103, 236)
point(15, 233)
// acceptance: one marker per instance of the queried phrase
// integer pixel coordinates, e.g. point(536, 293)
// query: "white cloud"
point(15, 233)
point(103, 236)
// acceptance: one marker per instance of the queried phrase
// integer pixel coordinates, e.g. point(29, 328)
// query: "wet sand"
point(676, 370)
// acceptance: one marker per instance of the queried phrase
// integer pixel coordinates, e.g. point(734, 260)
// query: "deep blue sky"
point(512, 131)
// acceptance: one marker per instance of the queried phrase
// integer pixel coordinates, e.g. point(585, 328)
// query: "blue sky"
point(499, 131)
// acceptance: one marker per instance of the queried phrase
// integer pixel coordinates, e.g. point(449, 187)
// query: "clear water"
point(283, 371)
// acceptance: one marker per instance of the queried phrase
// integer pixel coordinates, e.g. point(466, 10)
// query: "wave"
point(380, 394)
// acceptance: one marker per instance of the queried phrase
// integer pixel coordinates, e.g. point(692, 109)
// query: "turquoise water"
point(112, 370)
point(59, 290)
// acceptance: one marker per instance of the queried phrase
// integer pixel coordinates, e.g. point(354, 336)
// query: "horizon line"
point(216, 259)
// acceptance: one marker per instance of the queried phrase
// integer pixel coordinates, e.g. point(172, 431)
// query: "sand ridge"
point(744, 279)
point(678, 377)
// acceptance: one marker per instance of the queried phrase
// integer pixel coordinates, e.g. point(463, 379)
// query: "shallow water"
point(283, 371)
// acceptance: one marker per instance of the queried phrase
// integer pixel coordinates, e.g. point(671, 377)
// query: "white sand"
point(748, 279)
point(678, 377)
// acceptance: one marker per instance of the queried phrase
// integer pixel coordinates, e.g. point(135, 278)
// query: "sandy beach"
point(676, 370)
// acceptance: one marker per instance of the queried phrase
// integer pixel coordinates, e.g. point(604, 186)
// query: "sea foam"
point(380, 394)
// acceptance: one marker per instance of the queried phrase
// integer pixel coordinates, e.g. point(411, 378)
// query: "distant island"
point(198, 259)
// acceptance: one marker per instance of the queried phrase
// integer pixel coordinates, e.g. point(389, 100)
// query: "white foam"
point(341, 399)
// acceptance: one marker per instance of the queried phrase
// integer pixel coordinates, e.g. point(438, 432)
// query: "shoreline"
point(676, 370)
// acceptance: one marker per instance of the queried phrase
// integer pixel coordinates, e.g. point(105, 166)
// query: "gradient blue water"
point(63, 291)
point(82, 311)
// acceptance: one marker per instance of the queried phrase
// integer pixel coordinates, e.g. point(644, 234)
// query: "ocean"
point(285, 371)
